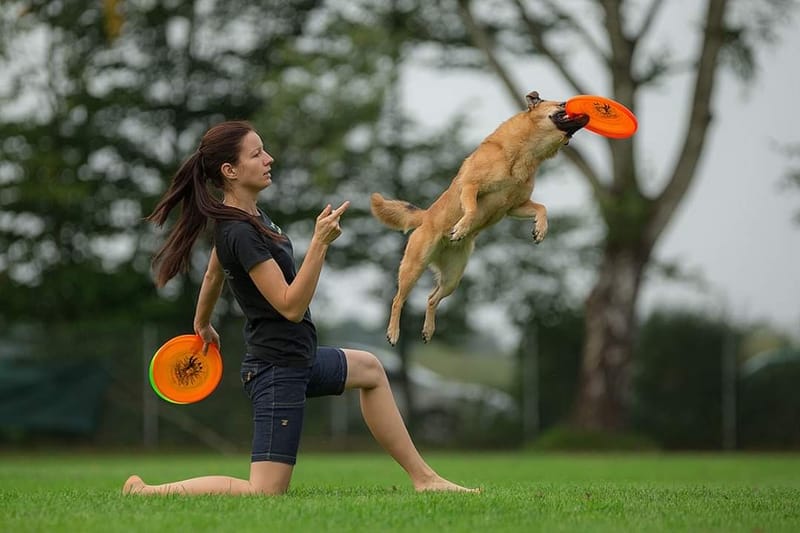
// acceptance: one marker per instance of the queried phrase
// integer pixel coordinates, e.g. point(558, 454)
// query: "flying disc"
point(181, 373)
point(606, 117)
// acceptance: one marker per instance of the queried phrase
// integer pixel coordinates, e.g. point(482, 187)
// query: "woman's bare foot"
point(133, 485)
point(439, 484)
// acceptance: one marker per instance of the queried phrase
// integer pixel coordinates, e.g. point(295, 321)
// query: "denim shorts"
point(279, 393)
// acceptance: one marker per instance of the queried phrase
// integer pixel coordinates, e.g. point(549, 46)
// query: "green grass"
point(521, 492)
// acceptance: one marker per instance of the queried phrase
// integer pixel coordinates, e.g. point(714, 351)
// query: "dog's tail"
point(396, 214)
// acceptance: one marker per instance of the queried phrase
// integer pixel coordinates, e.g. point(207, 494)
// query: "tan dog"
point(495, 181)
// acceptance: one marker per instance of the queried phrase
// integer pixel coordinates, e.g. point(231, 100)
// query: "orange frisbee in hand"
point(181, 373)
point(606, 117)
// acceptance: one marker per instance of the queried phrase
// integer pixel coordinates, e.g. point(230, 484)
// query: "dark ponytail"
point(220, 144)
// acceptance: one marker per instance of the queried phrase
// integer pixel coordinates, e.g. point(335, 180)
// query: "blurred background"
point(661, 312)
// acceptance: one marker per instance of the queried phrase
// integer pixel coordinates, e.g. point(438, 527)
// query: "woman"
point(283, 364)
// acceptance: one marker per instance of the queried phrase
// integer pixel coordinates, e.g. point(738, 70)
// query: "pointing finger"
point(342, 208)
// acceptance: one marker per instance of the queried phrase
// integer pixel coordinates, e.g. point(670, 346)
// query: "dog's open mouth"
point(569, 124)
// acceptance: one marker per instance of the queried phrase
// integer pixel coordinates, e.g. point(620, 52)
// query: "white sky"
point(735, 225)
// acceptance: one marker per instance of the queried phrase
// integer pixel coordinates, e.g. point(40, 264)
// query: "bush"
point(559, 343)
point(677, 376)
point(564, 438)
point(769, 404)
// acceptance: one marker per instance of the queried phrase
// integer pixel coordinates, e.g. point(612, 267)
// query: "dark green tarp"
point(51, 396)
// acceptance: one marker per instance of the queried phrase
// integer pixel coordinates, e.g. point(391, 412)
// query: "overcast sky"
point(735, 226)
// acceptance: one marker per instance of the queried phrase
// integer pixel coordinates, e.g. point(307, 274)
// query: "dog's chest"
point(497, 203)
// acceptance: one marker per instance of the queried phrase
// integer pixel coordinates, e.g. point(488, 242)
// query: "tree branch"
point(624, 89)
point(536, 33)
point(700, 118)
point(535, 30)
point(593, 45)
point(621, 53)
point(652, 14)
point(656, 71)
point(577, 159)
point(482, 41)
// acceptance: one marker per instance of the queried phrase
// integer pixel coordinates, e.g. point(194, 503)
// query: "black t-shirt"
point(268, 334)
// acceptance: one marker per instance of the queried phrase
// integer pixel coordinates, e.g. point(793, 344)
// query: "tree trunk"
point(604, 376)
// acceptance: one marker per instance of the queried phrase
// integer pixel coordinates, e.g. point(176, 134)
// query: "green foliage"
point(677, 380)
point(768, 401)
point(94, 123)
point(568, 439)
point(559, 341)
point(93, 127)
point(751, 25)
point(625, 213)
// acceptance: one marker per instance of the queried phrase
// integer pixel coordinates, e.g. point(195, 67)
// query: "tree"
point(617, 36)
point(103, 101)
point(792, 177)
point(123, 91)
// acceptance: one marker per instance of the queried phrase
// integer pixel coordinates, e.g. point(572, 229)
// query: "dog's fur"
point(495, 181)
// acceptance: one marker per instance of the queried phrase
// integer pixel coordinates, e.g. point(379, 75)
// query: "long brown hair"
point(189, 187)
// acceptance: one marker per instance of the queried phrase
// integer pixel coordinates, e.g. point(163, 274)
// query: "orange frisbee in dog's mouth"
point(181, 373)
point(607, 117)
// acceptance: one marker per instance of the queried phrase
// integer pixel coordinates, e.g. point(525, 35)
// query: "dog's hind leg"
point(415, 259)
point(450, 266)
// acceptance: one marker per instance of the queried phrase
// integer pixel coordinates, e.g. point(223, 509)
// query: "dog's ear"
point(533, 99)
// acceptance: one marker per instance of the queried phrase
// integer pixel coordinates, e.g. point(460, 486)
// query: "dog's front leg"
point(469, 204)
point(538, 213)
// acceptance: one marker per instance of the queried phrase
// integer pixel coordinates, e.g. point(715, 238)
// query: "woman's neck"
point(248, 205)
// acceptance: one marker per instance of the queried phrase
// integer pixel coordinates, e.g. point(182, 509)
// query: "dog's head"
point(552, 116)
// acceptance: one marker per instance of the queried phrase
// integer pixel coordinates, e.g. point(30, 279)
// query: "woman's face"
point(254, 165)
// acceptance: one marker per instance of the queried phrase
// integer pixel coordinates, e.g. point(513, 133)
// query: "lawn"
point(368, 492)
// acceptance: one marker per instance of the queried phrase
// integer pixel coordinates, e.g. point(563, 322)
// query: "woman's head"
point(249, 174)
point(228, 149)
point(230, 155)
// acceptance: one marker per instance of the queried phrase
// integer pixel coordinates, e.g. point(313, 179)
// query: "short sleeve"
point(248, 246)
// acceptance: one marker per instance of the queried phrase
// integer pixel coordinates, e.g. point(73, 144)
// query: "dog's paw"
point(540, 227)
point(392, 337)
point(459, 231)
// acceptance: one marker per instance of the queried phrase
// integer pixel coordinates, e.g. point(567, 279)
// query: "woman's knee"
point(364, 370)
point(270, 478)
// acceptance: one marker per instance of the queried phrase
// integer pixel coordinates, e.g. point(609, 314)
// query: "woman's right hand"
point(327, 228)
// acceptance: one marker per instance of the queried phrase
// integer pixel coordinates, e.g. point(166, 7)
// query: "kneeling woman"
point(283, 365)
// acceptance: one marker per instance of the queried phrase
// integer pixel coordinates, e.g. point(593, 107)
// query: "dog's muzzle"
point(569, 124)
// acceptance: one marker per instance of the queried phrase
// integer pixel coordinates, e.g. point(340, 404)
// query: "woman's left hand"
point(208, 334)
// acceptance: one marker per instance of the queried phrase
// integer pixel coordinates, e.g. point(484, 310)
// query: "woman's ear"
point(228, 171)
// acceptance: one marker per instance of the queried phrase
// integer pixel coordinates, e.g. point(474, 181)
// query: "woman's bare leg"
point(266, 477)
point(366, 373)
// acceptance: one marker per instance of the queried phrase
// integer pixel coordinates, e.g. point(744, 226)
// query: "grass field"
point(521, 492)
